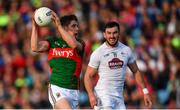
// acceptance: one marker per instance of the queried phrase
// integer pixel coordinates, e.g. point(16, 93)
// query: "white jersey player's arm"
point(138, 76)
point(88, 81)
point(140, 80)
point(134, 68)
point(88, 78)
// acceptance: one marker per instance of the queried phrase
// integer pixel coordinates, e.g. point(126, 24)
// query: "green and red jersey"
point(65, 63)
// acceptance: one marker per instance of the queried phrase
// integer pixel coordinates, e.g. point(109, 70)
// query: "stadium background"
point(150, 27)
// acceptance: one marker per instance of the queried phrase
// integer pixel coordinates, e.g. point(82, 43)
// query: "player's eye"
point(115, 32)
point(108, 32)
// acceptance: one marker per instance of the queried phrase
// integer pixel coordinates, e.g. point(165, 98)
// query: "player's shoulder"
point(51, 38)
point(98, 51)
point(124, 47)
point(54, 39)
point(100, 48)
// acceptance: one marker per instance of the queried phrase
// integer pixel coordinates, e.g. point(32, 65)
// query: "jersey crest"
point(115, 63)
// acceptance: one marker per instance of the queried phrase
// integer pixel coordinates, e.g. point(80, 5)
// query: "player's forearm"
point(88, 84)
point(71, 41)
point(141, 82)
point(34, 39)
point(139, 79)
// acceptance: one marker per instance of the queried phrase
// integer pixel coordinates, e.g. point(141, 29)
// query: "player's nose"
point(111, 36)
point(77, 28)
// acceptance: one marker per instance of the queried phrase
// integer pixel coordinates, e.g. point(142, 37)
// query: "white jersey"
point(111, 64)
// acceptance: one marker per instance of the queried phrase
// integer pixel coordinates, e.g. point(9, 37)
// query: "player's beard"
point(112, 44)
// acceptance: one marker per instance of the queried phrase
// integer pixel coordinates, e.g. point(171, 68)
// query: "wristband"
point(145, 91)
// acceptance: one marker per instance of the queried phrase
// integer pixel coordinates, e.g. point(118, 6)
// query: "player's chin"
point(112, 42)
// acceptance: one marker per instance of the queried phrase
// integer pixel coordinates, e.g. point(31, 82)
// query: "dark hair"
point(65, 20)
point(110, 25)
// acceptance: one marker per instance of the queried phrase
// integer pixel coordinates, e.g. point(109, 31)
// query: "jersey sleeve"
point(94, 60)
point(132, 57)
point(49, 39)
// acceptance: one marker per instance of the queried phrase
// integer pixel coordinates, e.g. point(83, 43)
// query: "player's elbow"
point(86, 77)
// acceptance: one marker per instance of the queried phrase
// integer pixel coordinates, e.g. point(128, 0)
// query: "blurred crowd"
point(150, 27)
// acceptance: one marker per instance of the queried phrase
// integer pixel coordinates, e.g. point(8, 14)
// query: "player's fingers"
point(34, 14)
point(32, 17)
point(33, 20)
point(54, 15)
point(53, 18)
point(93, 103)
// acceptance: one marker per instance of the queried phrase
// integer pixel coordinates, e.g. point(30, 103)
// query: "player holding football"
point(65, 57)
point(110, 61)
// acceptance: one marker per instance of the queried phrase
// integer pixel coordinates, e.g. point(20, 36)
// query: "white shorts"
point(109, 102)
point(56, 93)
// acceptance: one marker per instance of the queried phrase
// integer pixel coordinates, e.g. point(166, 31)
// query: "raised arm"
point(140, 80)
point(88, 82)
point(37, 46)
point(71, 41)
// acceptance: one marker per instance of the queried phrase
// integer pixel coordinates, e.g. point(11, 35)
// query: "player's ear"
point(104, 34)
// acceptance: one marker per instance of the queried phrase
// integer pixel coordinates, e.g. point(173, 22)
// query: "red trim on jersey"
point(48, 44)
point(50, 70)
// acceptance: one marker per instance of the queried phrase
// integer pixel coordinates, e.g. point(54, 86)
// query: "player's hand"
point(147, 101)
point(33, 21)
point(92, 100)
point(55, 19)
